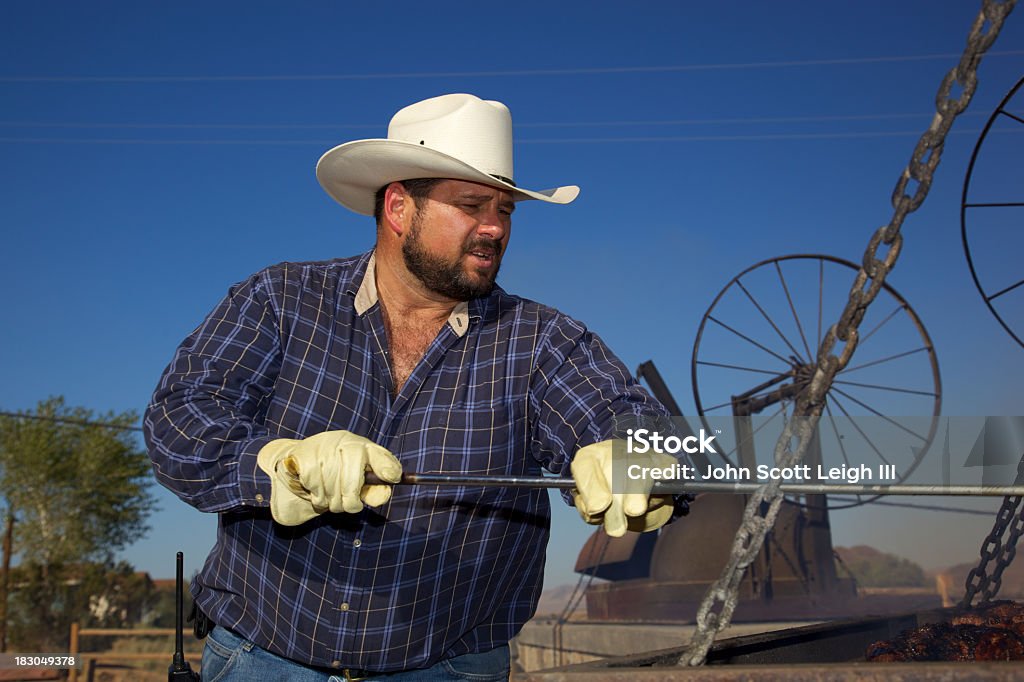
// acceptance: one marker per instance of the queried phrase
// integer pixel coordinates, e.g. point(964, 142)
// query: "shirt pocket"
point(484, 440)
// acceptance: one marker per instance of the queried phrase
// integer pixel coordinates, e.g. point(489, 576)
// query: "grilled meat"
point(997, 614)
point(994, 632)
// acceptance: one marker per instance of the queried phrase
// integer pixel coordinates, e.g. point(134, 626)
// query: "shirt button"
point(357, 543)
point(344, 606)
point(259, 498)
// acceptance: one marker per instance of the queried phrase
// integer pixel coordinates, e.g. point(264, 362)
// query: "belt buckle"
point(354, 674)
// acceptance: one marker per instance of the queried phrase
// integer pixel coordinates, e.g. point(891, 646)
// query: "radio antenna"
point(179, 670)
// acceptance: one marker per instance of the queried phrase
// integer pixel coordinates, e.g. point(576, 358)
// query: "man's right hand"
point(325, 472)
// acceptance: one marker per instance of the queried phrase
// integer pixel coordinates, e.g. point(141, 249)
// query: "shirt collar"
point(366, 298)
point(366, 295)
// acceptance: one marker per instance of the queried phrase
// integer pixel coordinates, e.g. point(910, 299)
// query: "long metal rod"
point(660, 487)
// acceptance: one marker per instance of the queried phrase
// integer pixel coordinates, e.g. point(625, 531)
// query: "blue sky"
point(153, 154)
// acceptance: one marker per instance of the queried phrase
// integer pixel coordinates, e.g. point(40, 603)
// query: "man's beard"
point(443, 277)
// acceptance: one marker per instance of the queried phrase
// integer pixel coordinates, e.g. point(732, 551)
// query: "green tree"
point(75, 487)
point(872, 568)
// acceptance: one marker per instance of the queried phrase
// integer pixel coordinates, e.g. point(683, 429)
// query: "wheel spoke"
point(1004, 291)
point(888, 359)
point(856, 426)
point(1016, 118)
point(792, 309)
point(821, 294)
point(875, 412)
point(835, 430)
point(880, 324)
point(781, 410)
point(885, 388)
point(739, 367)
point(748, 339)
point(839, 441)
point(769, 319)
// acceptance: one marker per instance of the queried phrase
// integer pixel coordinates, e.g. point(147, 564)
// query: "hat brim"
point(353, 172)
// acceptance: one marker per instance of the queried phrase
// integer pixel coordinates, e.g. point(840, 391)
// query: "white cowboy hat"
point(452, 136)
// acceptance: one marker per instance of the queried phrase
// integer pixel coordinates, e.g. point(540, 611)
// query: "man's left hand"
point(618, 511)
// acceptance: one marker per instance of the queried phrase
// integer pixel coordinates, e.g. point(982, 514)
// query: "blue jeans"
point(229, 658)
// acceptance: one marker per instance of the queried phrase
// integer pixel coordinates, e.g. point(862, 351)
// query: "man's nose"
point(493, 224)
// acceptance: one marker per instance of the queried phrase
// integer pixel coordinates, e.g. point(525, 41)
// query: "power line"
point(187, 126)
point(554, 140)
point(68, 420)
point(552, 124)
point(735, 138)
point(611, 70)
point(736, 120)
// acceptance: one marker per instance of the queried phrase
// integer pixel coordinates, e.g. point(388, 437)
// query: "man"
point(309, 375)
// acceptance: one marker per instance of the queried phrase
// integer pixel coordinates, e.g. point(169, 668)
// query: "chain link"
point(1005, 558)
point(994, 548)
point(716, 609)
point(978, 579)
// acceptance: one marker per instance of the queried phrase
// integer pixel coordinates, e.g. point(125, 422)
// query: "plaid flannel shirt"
point(508, 387)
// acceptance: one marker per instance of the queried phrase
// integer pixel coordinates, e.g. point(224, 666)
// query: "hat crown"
point(459, 136)
point(479, 132)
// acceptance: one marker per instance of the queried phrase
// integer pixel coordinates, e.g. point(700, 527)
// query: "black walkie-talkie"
point(180, 670)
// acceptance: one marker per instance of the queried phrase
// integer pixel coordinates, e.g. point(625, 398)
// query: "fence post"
point(73, 650)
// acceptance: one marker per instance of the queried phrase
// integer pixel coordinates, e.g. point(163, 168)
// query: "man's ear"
point(399, 207)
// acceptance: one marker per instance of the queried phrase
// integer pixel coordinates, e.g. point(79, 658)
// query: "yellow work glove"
point(323, 473)
point(632, 507)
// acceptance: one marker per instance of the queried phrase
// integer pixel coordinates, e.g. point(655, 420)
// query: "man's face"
point(457, 237)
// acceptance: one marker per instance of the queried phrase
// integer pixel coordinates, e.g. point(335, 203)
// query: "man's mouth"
point(485, 256)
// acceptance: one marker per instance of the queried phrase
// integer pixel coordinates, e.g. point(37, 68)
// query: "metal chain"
point(1005, 557)
point(978, 579)
point(716, 609)
point(993, 548)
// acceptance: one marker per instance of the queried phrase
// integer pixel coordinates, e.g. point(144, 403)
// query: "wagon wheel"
point(994, 208)
point(756, 350)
